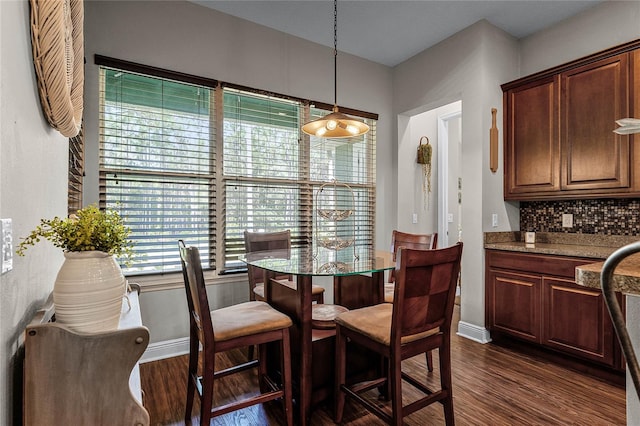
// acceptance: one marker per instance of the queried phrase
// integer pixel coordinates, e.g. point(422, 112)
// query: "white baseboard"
point(473, 332)
point(165, 349)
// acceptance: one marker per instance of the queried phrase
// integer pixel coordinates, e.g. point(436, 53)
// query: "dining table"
point(358, 280)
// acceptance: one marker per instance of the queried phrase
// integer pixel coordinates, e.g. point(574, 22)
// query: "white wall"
point(469, 66)
point(192, 39)
point(33, 182)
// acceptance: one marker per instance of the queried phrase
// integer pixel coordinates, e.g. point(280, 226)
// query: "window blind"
point(273, 172)
point(173, 175)
point(157, 156)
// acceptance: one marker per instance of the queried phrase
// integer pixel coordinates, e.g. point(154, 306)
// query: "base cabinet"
point(534, 298)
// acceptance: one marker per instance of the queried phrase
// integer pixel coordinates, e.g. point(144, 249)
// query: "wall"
point(192, 39)
point(33, 182)
point(606, 25)
point(469, 66)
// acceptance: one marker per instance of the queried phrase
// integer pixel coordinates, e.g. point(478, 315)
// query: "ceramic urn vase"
point(88, 292)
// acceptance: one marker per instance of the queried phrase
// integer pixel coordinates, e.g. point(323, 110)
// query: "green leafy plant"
point(89, 229)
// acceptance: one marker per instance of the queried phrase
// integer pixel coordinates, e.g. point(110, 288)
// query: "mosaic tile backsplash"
point(606, 217)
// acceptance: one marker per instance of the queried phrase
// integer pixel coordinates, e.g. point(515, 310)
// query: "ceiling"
point(390, 32)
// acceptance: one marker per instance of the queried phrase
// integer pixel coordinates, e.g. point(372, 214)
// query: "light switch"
point(7, 245)
point(415, 218)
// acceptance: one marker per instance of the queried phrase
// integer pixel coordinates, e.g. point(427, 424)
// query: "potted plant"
point(90, 286)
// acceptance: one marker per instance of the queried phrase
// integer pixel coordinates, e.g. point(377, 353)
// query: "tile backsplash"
point(606, 217)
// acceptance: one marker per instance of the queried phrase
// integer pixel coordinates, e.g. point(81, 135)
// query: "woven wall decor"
point(57, 39)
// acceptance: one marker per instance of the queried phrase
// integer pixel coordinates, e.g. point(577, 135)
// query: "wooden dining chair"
point(418, 320)
point(242, 325)
point(322, 314)
point(414, 241)
point(264, 241)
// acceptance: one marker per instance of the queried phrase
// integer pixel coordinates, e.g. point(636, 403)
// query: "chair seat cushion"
point(246, 319)
point(259, 288)
point(375, 323)
point(323, 315)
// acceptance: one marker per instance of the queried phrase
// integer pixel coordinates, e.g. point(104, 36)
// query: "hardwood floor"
point(492, 385)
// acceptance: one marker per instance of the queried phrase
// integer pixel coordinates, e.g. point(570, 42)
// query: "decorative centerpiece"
point(90, 286)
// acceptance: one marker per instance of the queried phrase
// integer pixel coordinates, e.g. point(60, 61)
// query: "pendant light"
point(335, 124)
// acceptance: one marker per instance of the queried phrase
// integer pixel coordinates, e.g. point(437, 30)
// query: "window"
point(172, 175)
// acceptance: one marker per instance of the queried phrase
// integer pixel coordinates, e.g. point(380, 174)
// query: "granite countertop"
point(626, 277)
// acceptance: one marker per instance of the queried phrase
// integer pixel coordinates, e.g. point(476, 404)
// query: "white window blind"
point(157, 155)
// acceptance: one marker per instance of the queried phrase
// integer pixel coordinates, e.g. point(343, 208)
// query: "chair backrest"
point(425, 290)
point(412, 241)
point(255, 242)
point(197, 301)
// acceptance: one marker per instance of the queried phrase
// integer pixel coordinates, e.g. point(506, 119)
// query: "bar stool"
point(419, 320)
point(245, 324)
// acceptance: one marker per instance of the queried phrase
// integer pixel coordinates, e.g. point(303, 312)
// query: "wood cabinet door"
point(532, 150)
point(513, 301)
point(576, 321)
point(593, 97)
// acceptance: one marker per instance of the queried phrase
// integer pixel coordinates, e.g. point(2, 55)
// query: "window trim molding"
point(209, 82)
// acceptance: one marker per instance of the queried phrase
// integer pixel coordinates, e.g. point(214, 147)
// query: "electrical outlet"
point(494, 220)
point(415, 218)
point(567, 220)
point(7, 245)
point(450, 217)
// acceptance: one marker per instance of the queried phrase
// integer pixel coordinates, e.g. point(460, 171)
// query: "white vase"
point(88, 292)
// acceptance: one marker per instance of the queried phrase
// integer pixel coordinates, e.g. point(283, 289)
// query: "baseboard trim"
point(165, 349)
point(473, 332)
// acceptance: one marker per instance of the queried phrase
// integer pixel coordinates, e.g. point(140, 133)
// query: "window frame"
point(220, 249)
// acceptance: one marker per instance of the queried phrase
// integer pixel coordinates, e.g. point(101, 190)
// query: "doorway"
point(450, 183)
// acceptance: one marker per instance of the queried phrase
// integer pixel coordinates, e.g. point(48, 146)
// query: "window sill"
point(175, 281)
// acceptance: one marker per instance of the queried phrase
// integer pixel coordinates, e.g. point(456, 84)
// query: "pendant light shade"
point(335, 124)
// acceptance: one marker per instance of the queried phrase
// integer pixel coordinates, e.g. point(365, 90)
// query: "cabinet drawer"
point(559, 266)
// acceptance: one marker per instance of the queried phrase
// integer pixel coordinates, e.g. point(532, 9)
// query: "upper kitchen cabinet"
point(559, 141)
point(592, 98)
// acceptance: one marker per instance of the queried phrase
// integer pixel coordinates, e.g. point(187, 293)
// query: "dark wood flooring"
point(492, 385)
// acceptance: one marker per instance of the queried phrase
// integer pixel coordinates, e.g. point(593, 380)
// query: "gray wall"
point(33, 185)
point(469, 66)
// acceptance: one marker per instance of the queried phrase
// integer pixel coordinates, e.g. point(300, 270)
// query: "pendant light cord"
point(335, 54)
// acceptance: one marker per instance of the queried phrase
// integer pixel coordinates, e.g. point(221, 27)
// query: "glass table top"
point(307, 261)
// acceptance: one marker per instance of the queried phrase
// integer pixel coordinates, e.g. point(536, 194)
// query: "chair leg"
point(340, 373)
point(429, 361)
point(206, 401)
point(396, 390)
point(250, 353)
point(319, 298)
point(285, 365)
point(193, 372)
point(444, 353)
